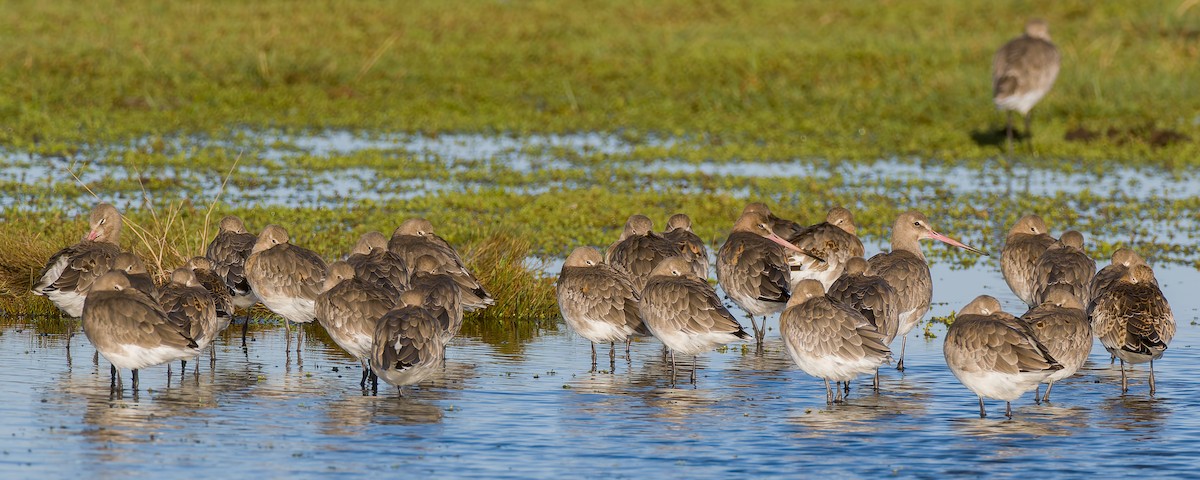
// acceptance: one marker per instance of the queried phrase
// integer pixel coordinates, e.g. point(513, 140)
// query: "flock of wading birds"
point(395, 304)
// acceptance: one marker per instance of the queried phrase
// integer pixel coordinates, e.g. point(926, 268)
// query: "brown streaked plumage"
point(871, 295)
point(1062, 326)
point(1023, 70)
point(1122, 259)
point(598, 302)
point(1134, 321)
point(286, 278)
point(829, 339)
point(70, 272)
point(373, 262)
point(1065, 263)
point(407, 347)
point(415, 237)
point(228, 253)
point(1027, 240)
point(752, 268)
point(906, 270)
point(350, 309)
point(202, 268)
point(786, 229)
point(136, 272)
point(130, 329)
point(994, 354)
point(639, 250)
point(679, 232)
point(190, 308)
point(443, 295)
point(826, 246)
point(684, 313)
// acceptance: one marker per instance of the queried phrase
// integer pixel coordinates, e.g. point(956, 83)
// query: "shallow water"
point(541, 412)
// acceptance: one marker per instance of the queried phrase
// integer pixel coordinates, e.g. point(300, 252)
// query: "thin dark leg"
point(828, 392)
point(875, 384)
point(982, 412)
point(1151, 378)
point(1008, 133)
point(694, 361)
point(96, 357)
point(1037, 397)
point(628, 340)
point(212, 355)
point(754, 326)
point(1046, 398)
point(135, 380)
point(182, 367)
point(374, 384)
point(903, 344)
point(612, 352)
point(366, 373)
point(1008, 409)
point(672, 368)
point(593, 356)
point(112, 371)
point(1124, 384)
point(847, 388)
point(245, 327)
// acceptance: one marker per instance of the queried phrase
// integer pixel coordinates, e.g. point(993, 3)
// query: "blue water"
point(542, 412)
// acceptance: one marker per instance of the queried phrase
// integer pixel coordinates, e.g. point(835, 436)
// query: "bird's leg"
point(1046, 398)
point(96, 357)
point(1008, 409)
point(593, 356)
point(135, 380)
point(694, 369)
point(1124, 385)
point(903, 344)
point(612, 352)
point(846, 386)
point(875, 384)
point(754, 327)
point(672, 368)
point(366, 372)
point(112, 372)
point(1008, 133)
point(628, 340)
point(212, 355)
point(1028, 130)
point(982, 412)
point(182, 368)
point(1037, 395)
point(1151, 378)
point(828, 392)
point(245, 327)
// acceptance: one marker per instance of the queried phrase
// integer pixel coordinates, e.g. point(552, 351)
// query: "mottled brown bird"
point(994, 354)
point(598, 302)
point(753, 270)
point(1062, 326)
point(373, 262)
point(1122, 260)
point(1134, 321)
point(872, 296)
point(1064, 263)
point(415, 238)
point(407, 348)
point(228, 253)
point(70, 272)
point(786, 229)
point(684, 313)
point(443, 295)
point(687, 243)
point(1023, 70)
point(136, 272)
point(1027, 240)
point(130, 329)
point(639, 250)
point(349, 309)
point(190, 308)
point(829, 339)
point(285, 277)
point(202, 268)
point(827, 246)
point(907, 271)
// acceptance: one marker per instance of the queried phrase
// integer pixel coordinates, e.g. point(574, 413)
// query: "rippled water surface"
point(541, 412)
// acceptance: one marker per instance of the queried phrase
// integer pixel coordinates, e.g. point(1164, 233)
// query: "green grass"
point(844, 80)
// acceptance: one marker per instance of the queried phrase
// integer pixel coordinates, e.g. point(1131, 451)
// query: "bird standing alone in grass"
point(1023, 70)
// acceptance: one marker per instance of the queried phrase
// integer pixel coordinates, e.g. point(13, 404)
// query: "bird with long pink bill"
point(907, 271)
point(752, 267)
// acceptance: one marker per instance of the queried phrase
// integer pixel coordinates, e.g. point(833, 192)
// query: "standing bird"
point(752, 267)
point(907, 271)
point(1122, 260)
point(1064, 263)
point(70, 272)
point(1062, 326)
point(228, 253)
point(130, 329)
point(350, 309)
point(1027, 240)
point(407, 347)
point(598, 302)
point(872, 296)
point(827, 246)
point(443, 296)
point(202, 268)
point(829, 339)
point(786, 229)
point(373, 262)
point(285, 277)
point(684, 313)
point(136, 272)
point(1023, 70)
point(1134, 321)
point(994, 354)
point(415, 237)
point(679, 232)
point(639, 250)
point(191, 309)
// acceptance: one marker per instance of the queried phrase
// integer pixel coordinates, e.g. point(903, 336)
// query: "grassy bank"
point(845, 80)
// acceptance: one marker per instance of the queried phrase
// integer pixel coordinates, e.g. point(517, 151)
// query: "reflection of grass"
point(832, 79)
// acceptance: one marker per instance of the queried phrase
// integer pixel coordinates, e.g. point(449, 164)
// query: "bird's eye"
point(916, 224)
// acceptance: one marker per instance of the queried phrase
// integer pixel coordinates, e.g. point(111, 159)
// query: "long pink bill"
point(786, 244)
point(951, 241)
point(93, 235)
